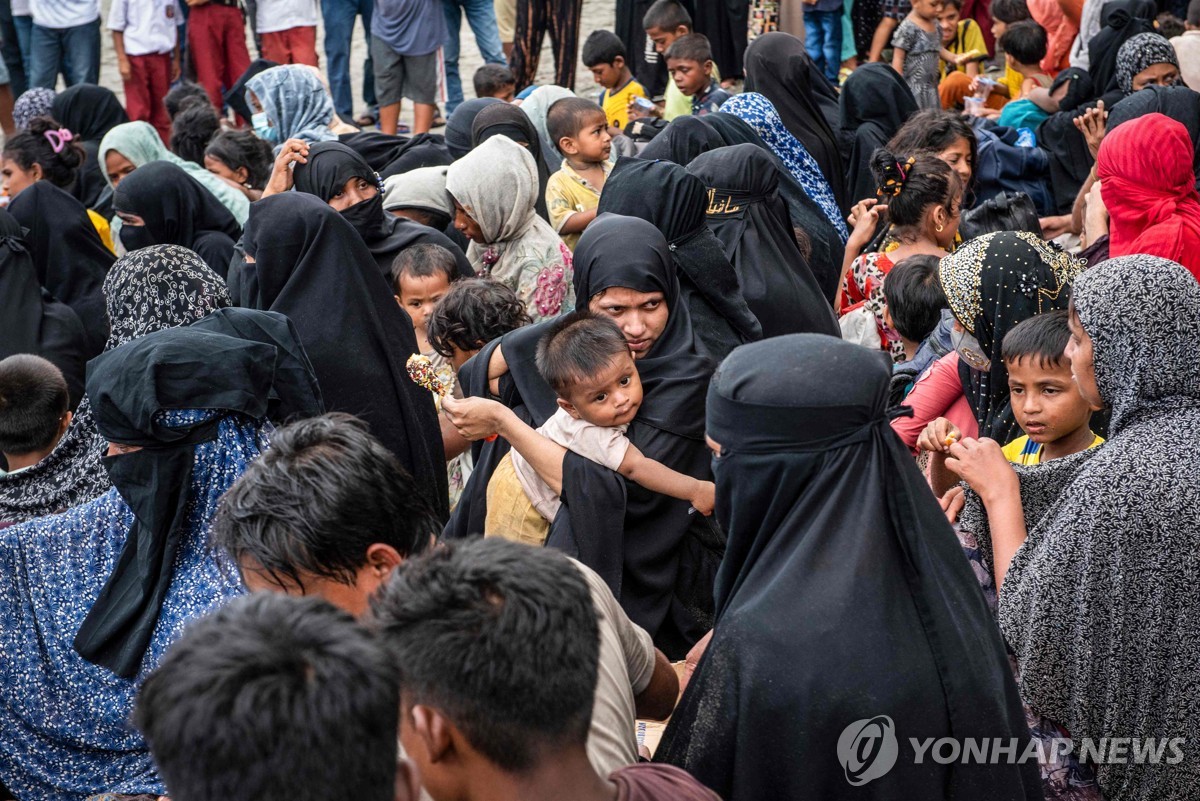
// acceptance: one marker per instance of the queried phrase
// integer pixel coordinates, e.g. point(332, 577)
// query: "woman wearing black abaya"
point(1122, 20)
point(778, 67)
point(333, 167)
point(392, 155)
point(508, 120)
point(1177, 102)
point(458, 127)
point(831, 623)
point(306, 261)
point(31, 320)
point(682, 140)
point(89, 112)
point(674, 202)
point(750, 220)
point(161, 204)
point(875, 104)
point(726, 24)
point(71, 260)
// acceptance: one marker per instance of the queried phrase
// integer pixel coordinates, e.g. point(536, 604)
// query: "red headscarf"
point(1145, 166)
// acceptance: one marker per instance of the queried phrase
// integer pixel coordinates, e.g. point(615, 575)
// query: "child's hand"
point(864, 227)
point(981, 463)
point(475, 418)
point(938, 436)
point(953, 502)
point(975, 84)
point(860, 208)
point(705, 498)
point(125, 68)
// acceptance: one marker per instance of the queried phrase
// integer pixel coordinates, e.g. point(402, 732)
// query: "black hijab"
point(828, 250)
point(778, 67)
point(666, 196)
point(1177, 102)
point(508, 120)
point(1121, 20)
point(875, 103)
point(751, 221)
point(71, 260)
point(312, 266)
point(392, 155)
point(235, 98)
point(844, 604)
point(31, 320)
point(330, 165)
point(458, 127)
point(725, 23)
point(236, 361)
point(89, 112)
point(682, 140)
point(177, 210)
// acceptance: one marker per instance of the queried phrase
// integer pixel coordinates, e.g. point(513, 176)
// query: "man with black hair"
point(519, 730)
point(328, 511)
point(34, 410)
point(276, 699)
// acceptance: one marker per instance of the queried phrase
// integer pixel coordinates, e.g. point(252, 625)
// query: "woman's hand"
point(953, 502)
point(693, 659)
point(861, 207)
point(938, 436)
point(1091, 124)
point(476, 418)
point(294, 151)
point(981, 463)
point(1095, 215)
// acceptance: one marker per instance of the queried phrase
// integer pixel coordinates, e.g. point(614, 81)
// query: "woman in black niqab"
point(1122, 20)
point(874, 105)
point(330, 165)
point(89, 112)
point(461, 122)
point(505, 119)
point(828, 619)
point(176, 210)
point(673, 201)
point(682, 140)
point(71, 260)
point(751, 221)
point(311, 265)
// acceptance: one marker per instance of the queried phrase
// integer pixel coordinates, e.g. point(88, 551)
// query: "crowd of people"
point(831, 395)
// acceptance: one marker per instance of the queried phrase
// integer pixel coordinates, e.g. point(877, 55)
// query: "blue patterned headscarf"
point(35, 102)
point(295, 101)
point(756, 110)
point(66, 720)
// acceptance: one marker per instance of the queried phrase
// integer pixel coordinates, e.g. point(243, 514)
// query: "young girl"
point(924, 199)
point(917, 47)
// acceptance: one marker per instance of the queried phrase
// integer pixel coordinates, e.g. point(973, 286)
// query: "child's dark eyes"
point(625, 381)
point(601, 397)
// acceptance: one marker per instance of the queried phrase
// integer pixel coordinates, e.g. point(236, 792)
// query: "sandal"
point(365, 120)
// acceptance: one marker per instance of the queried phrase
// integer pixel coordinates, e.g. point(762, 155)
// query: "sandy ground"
point(597, 14)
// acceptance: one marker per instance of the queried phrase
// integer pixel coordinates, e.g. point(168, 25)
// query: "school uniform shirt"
point(150, 26)
point(1023, 450)
point(567, 192)
point(616, 103)
point(1187, 48)
point(709, 100)
point(60, 14)
point(283, 15)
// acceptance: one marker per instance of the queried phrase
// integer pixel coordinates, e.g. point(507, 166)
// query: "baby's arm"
point(657, 477)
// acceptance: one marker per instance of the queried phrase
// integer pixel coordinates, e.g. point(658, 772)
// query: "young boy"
point(604, 55)
point(473, 313)
point(495, 80)
point(689, 59)
point(823, 36)
point(586, 361)
point(579, 128)
point(288, 29)
point(914, 310)
point(34, 410)
point(1024, 45)
point(273, 698)
point(517, 727)
point(664, 22)
point(146, 42)
point(406, 36)
point(421, 276)
point(1187, 46)
point(961, 36)
point(1005, 13)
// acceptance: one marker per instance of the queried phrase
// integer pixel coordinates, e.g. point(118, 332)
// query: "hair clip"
point(58, 139)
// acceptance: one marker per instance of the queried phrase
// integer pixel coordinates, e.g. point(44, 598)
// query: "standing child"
point(289, 30)
point(406, 36)
point(689, 60)
point(664, 22)
point(216, 34)
point(823, 35)
point(146, 42)
point(917, 47)
point(580, 132)
point(604, 55)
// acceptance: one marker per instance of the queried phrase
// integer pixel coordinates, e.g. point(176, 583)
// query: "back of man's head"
point(33, 401)
point(273, 698)
point(501, 641)
point(318, 504)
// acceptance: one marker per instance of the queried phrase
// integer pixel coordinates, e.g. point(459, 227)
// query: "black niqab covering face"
point(874, 104)
point(235, 361)
point(508, 120)
point(682, 140)
point(843, 596)
point(461, 123)
point(751, 221)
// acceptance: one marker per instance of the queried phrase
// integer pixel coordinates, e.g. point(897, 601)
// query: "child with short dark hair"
point(664, 22)
point(1024, 45)
point(579, 129)
point(191, 131)
point(961, 36)
point(1170, 25)
point(183, 95)
point(241, 157)
point(473, 313)
point(915, 309)
point(520, 729)
point(587, 362)
point(34, 410)
point(689, 59)
point(275, 698)
point(604, 55)
point(421, 276)
point(495, 80)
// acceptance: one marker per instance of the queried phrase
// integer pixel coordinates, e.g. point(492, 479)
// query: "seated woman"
point(1111, 532)
point(89, 112)
point(874, 105)
point(292, 102)
point(161, 204)
point(98, 594)
point(834, 626)
point(495, 195)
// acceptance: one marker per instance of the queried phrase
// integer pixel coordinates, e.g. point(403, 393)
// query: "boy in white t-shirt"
point(146, 40)
point(584, 357)
point(289, 30)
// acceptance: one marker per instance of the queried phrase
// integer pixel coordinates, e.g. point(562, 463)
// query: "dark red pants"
point(293, 46)
point(148, 84)
point(217, 40)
